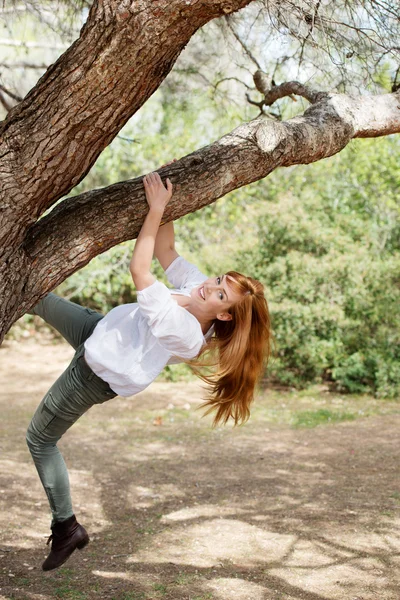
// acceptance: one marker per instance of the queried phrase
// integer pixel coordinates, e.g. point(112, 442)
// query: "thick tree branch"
point(51, 139)
point(86, 225)
point(124, 52)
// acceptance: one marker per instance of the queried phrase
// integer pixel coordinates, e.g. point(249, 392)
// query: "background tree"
point(51, 139)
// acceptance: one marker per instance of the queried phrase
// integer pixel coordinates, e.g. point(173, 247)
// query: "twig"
point(11, 94)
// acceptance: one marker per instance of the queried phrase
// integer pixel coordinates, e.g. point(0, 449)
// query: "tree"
point(50, 140)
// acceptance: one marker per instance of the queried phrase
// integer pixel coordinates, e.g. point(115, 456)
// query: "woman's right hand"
point(157, 195)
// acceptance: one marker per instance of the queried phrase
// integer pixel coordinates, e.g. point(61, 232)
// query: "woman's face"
point(214, 297)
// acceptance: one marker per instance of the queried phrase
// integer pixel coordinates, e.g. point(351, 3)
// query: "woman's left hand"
point(157, 195)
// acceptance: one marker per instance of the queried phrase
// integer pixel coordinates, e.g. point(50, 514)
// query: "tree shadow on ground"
point(179, 511)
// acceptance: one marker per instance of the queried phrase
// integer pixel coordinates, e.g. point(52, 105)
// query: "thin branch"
point(288, 88)
point(5, 103)
point(311, 22)
point(385, 7)
point(23, 44)
point(9, 93)
point(241, 42)
point(232, 79)
point(259, 104)
point(12, 10)
point(130, 140)
point(22, 65)
point(396, 84)
point(214, 86)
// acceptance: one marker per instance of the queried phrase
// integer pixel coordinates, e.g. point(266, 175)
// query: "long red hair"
point(239, 351)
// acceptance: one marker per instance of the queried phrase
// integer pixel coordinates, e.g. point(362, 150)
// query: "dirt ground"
point(178, 511)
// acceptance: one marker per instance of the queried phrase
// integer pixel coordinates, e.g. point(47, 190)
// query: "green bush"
point(331, 268)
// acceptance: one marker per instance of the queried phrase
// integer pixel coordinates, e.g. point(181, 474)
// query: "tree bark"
point(51, 139)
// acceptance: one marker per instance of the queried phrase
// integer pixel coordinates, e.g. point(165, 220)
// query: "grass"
point(69, 593)
point(185, 579)
point(313, 418)
point(65, 590)
point(159, 587)
point(272, 407)
point(316, 406)
point(130, 596)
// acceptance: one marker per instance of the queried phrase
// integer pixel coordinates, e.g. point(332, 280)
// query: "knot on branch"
point(273, 92)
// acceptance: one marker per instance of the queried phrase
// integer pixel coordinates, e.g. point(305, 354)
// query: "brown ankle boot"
point(66, 537)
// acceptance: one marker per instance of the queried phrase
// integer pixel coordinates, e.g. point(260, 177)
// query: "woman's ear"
point(224, 317)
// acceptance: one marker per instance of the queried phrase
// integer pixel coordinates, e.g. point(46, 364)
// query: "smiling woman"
point(214, 300)
point(221, 322)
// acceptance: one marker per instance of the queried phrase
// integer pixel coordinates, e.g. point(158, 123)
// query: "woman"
point(123, 352)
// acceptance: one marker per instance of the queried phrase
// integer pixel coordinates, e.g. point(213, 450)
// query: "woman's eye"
point(221, 296)
point(218, 280)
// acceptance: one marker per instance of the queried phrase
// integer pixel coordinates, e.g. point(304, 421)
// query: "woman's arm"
point(164, 249)
point(157, 198)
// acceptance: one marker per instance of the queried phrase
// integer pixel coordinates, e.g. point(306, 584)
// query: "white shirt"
point(132, 344)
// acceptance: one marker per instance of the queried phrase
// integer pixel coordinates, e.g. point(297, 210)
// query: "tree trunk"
point(52, 138)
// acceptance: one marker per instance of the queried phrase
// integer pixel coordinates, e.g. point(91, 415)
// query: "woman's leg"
point(59, 409)
point(75, 323)
point(74, 392)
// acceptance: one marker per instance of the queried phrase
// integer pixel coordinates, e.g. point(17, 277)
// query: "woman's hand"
point(157, 195)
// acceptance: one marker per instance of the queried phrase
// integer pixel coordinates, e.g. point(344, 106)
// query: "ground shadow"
point(179, 511)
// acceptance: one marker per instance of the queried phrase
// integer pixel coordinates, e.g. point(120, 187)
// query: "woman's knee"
point(40, 450)
point(34, 441)
point(31, 439)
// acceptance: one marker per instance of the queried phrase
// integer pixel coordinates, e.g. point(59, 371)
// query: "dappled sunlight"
point(312, 553)
point(369, 542)
point(175, 509)
point(305, 564)
point(22, 374)
point(189, 392)
point(142, 497)
point(24, 512)
point(163, 450)
point(21, 497)
point(194, 512)
point(339, 581)
point(87, 499)
point(113, 575)
point(212, 541)
point(239, 589)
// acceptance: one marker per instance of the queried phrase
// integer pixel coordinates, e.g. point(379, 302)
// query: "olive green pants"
point(74, 392)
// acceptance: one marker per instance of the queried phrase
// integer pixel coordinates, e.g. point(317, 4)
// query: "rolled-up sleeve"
point(175, 329)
